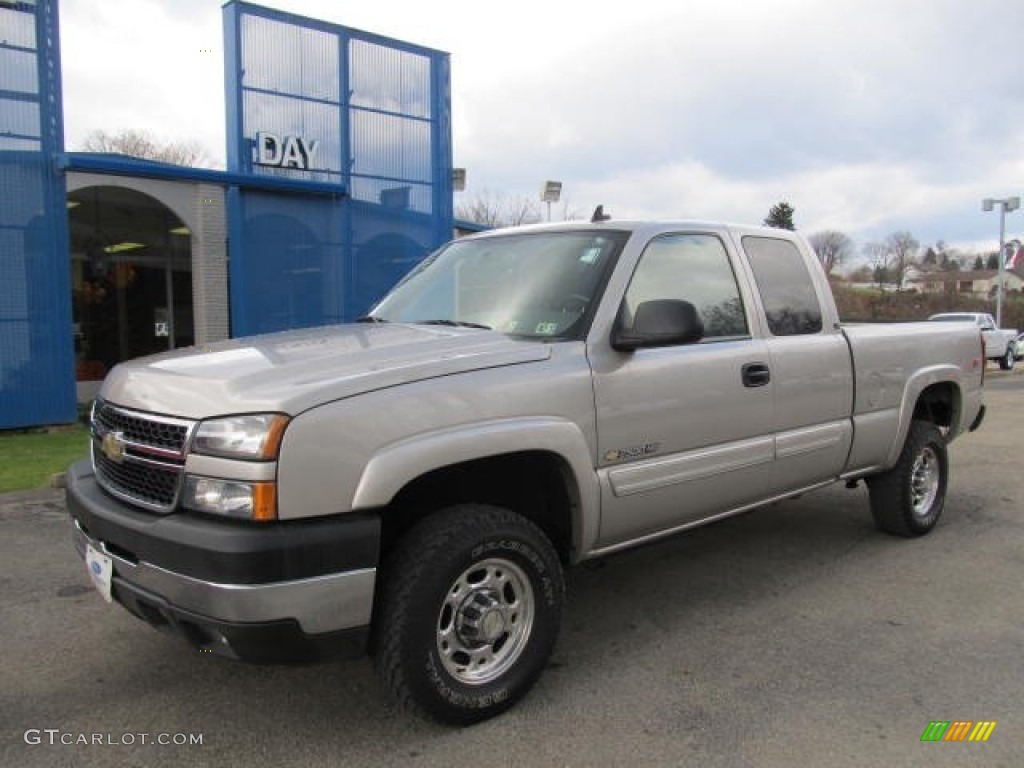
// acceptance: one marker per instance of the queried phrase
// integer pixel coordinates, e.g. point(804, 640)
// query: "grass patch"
point(32, 457)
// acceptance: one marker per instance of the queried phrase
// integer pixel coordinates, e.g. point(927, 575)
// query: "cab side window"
point(694, 268)
point(785, 285)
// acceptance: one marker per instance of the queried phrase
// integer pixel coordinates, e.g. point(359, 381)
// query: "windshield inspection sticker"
point(546, 329)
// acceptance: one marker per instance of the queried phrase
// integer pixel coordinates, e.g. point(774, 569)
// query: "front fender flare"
point(395, 465)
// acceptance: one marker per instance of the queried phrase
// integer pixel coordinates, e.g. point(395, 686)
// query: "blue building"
point(339, 180)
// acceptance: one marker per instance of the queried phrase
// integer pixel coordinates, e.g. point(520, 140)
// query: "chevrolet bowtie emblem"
point(113, 446)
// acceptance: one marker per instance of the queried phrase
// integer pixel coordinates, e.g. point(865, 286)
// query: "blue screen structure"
point(364, 115)
point(37, 382)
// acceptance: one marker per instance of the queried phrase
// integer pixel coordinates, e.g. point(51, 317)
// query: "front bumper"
point(259, 592)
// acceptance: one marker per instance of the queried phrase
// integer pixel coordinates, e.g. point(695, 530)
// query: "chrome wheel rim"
point(924, 482)
point(485, 621)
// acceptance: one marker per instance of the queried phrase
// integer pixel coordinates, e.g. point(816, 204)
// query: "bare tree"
point(878, 258)
point(483, 208)
point(832, 248)
point(902, 248)
point(143, 145)
point(523, 210)
point(569, 213)
point(495, 210)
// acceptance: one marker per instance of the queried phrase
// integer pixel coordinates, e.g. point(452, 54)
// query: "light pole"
point(550, 193)
point(1006, 204)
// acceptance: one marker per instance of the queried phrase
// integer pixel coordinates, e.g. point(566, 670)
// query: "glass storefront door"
point(131, 277)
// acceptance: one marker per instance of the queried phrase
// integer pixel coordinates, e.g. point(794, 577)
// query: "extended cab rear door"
point(810, 361)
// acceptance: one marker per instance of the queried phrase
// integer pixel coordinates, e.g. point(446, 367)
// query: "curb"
point(33, 495)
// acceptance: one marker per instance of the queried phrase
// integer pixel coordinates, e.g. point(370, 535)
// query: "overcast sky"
point(868, 116)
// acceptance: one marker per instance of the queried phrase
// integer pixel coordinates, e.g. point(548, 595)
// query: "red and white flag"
point(1012, 255)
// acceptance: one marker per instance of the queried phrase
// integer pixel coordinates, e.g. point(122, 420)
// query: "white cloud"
point(866, 115)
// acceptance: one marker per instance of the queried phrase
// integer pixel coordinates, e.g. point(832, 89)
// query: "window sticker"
point(546, 329)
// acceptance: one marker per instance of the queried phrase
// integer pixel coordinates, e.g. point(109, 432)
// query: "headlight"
point(245, 501)
point(255, 436)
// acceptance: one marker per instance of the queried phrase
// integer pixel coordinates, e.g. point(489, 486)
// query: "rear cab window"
point(787, 290)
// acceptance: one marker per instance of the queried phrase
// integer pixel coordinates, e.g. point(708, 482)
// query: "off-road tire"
point(468, 613)
point(908, 499)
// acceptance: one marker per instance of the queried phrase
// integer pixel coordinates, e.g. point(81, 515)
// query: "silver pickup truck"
point(1000, 343)
point(413, 485)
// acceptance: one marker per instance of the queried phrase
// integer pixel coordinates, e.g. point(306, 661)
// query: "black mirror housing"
point(660, 323)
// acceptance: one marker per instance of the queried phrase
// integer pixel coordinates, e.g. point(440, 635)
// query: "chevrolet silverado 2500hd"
point(413, 485)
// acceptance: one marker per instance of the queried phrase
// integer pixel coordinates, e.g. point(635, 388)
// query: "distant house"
point(980, 283)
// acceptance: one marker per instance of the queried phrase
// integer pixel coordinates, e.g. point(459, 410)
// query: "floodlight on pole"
point(1006, 205)
point(550, 193)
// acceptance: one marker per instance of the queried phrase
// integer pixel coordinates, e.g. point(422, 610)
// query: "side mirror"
point(659, 323)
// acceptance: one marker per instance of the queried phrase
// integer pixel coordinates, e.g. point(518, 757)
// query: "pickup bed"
point(414, 485)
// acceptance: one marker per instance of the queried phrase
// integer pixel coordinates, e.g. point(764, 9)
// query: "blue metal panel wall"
point(36, 358)
point(380, 110)
point(293, 280)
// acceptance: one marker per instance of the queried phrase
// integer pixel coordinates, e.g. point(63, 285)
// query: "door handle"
point(755, 374)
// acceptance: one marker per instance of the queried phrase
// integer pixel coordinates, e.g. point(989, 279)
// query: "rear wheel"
point(1007, 360)
point(468, 614)
point(909, 498)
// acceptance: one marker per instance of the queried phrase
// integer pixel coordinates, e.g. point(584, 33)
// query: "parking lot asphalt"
point(796, 635)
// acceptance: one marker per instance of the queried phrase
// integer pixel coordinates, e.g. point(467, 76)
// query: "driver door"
point(685, 431)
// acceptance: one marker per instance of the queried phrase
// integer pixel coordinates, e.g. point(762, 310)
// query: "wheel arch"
point(540, 468)
point(934, 395)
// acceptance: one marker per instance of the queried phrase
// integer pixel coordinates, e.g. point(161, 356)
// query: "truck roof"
point(635, 225)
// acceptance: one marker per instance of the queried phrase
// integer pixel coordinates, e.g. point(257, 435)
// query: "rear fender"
point(916, 385)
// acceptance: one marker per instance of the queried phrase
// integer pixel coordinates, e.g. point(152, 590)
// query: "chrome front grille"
point(139, 457)
point(143, 429)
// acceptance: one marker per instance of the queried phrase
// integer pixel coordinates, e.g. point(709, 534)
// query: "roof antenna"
point(599, 215)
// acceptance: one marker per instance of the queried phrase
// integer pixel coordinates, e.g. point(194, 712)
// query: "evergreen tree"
point(780, 216)
point(979, 263)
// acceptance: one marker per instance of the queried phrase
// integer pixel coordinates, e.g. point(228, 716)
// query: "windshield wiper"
point(370, 319)
point(455, 323)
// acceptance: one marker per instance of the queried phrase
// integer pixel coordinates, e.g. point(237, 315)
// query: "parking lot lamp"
point(1006, 204)
point(550, 193)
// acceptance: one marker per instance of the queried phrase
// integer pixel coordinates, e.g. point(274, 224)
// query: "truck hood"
point(293, 371)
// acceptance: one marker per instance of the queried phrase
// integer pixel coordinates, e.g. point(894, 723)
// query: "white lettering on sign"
point(285, 151)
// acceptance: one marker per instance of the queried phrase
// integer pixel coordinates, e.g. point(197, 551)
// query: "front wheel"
point(1007, 360)
point(909, 498)
point(468, 614)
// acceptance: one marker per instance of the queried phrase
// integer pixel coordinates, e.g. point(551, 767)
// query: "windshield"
point(537, 285)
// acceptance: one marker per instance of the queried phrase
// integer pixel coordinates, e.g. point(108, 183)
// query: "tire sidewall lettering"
point(469, 699)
